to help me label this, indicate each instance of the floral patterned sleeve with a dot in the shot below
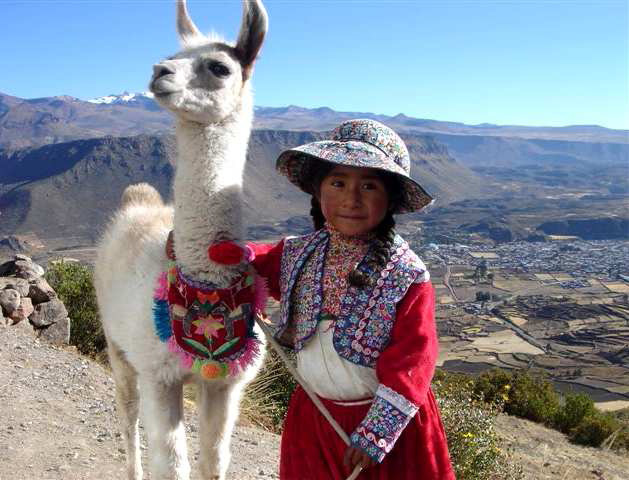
(404, 369)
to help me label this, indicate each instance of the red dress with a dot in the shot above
(312, 450)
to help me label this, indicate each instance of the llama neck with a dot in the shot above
(208, 194)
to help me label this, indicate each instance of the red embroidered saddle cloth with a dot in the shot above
(211, 323)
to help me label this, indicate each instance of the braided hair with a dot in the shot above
(384, 232)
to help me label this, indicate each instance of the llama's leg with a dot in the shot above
(162, 415)
(218, 411)
(125, 378)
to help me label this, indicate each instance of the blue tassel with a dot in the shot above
(161, 318)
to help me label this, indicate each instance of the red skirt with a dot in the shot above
(312, 450)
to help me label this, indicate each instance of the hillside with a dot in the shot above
(71, 189)
(40, 121)
(59, 423)
(58, 419)
(36, 122)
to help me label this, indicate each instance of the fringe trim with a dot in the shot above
(161, 319)
(207, 368)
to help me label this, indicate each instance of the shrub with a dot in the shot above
(594, 429)
(520, 393)
(493, 386)
(266, 398)
(576, 407)
(532, 397)
(469, 424)
(74, 284)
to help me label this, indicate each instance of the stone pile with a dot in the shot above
(26, 296)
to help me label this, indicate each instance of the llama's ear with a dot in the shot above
(252, 31)
(185, 27)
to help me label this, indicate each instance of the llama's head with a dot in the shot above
(208, 79)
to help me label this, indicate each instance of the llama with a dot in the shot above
(206, 87)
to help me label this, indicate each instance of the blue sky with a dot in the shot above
(527, 62)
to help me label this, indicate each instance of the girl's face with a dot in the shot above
(353, 200)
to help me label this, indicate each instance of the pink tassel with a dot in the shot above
(184, 357)
(233, 368)
(161, 290)
(252, 350)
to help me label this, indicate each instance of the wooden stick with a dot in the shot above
(356, 472)
(315, 399)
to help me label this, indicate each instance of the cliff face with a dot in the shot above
(588, 228)
(75, 186)
(71, 189)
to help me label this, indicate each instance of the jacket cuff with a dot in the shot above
(388, 416)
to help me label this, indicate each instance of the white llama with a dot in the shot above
(206, 87)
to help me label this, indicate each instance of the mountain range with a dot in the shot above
(65, 162)
(77, 185)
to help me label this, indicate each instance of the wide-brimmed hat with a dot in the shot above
(357, 143)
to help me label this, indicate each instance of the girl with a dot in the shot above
(357, 307)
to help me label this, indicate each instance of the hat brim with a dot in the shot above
(295, 164)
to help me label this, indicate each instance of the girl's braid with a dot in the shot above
(318, 220)
(380, 254)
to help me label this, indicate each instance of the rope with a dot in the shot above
(315, 399)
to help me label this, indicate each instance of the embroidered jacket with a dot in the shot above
(389, 327)
(367, 314)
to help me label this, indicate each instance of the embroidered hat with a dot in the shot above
(357, 143)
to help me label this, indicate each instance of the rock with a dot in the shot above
(23, 311)
(48, 313)
(7, 268)
(57, 333)
(24, 326)
(40, 291)
(9, 300)
(28, 270)
(15, 283)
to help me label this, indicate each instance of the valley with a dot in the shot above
(527, 243)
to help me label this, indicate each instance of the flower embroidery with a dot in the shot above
(207, 326)
(386, 419)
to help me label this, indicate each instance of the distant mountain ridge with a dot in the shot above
(325, 118)
(76, 186)
(145, 98)
(42, 121)
(36, 122)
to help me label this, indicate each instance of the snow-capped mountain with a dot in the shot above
(142, 99)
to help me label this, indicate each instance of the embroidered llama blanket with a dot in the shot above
(209, 328)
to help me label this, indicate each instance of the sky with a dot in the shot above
(511, 62)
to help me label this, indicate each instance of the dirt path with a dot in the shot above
(546, 454)
(57, 419)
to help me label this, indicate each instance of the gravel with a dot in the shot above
(58, 421)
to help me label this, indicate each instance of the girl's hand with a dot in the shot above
(354, 456)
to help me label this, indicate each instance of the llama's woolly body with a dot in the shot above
(206, 87)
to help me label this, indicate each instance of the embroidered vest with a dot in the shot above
(363, 327)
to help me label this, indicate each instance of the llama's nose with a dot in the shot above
(161, 70)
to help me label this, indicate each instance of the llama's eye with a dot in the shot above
(218, 69)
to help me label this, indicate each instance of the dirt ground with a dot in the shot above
(57, 422)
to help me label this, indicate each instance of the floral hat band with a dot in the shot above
(357, 143)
